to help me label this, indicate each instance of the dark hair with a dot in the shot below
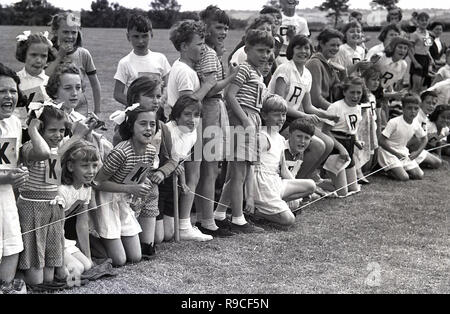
(54, 81)
(141, 86)
(141, 23)
(23, 46)
(347, 26)
(422, 15)
(390, 49)
(184, 31)
(300, 41)
(56, 23)
(355, 14)
(434, 24)
(255, 37)
(438, 111)
(327, 34)
(51, 113)
(268, 9)
(214, 14)
(410, 98)
(80, 150)
(303, 125)
(7, 72)
(428, 93)
(394, 11)
(260, 20)
(181, 104)
(349, 81)
(126, 128)
(385, 31)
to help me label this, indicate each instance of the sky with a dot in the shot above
(196, 5)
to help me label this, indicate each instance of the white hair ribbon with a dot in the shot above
(73, 20)
(45, 34)
(24, 36)
(38, 107)
(119, 116)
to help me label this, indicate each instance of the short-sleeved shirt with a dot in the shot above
(347, 56)
(70, 195)
(181, 78)
(182, 142)
(398, 133)
(122, 159)
(444, 71)
(28, 82)
(132, 66)
(298, 84)
(422, 42)
(251, 86)
(82, 58)
(422, 119)
(210, 63)
(391, 72)
(301, 28)
(349, 117)
(442, 89)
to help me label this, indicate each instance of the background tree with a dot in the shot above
(335, 9)
(164, 13)
(388, 4)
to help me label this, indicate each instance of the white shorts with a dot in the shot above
(70, 247)
(423, 155)
(389, 161)
(11, 234)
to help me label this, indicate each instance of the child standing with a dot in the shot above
(141, 61)
(10, 176)
(393, 153)
(66, 31)
(79, 166)
(274, 183)
(344, 133)
(244, 97)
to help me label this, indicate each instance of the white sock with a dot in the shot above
(240, 221)
(220, 215)
(185, 223)
(209, 224)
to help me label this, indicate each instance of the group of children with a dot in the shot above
(256, 131)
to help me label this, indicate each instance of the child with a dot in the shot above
(442, 89)
(393, 154)
(214, 118)
(244, 100)
(123, 177)
(141, 61)
(79, 166)
(351, 55)
(421, 59)
(66, 31)
(387, 33)
(444, 72)
(344, 132)
(10, 177)
(291, 24)
(184, 120)
(35, 50)
(274, 183)
(367, 131)
(38, 202)
(439, 129)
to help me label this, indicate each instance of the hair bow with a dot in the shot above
(38, 107)
(24, 36)
(45, 34)
(73, 20)
(120, 117)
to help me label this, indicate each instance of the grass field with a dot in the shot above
(395, 231)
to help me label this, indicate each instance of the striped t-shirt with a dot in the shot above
(122, 160)
(210, 63)
(251, 86)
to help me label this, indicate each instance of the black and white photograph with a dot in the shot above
(220, 153)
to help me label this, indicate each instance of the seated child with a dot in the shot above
(393, 154)
(274, 183)
(442, 89)
(439, 129)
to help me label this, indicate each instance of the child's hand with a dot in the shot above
(82, 129)
(246, 123)
(314, 119)
(157, 177)
(414, 155)
(18, 177)
(209, 79)
(184, 188)
(233, 69)
(65, 49)
(359, 144)
(249, 206)
(344, 155)
(36, 125)
(364, 65)
(141, 190)
(179, 170)
(400, 156)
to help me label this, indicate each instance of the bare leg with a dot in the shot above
(115, 251)
(206, 188)
(132, 248)
(148, 225)
(352, 180)
(192, 177)
(398, 174)
(8, 267)
(295, 189)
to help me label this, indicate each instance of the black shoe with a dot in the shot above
(148, 251)
(247, 228)
(219, 233)
(223, 224)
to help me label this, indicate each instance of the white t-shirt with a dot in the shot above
(349, 117)
(11, 128)
(399, 133)
(70, 195)
(133, 66)
(181, 78)
(347, 56)
(423, 120)
(444, 71)
(182, 142)
(375, 50)
(239, 57)
(442, 89)
(301, 28)
(391, 72)
(432, 129)
(298, 84)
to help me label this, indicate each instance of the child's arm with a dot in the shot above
(40, 151)
(15, 177)
(108, 186)
(207, 83)
(221, 85)
(119, 93)
(82, 229)
(230, 96)
(316, 88)
(423, 144)
(96, 91)
(310, 109)
(285, 173)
